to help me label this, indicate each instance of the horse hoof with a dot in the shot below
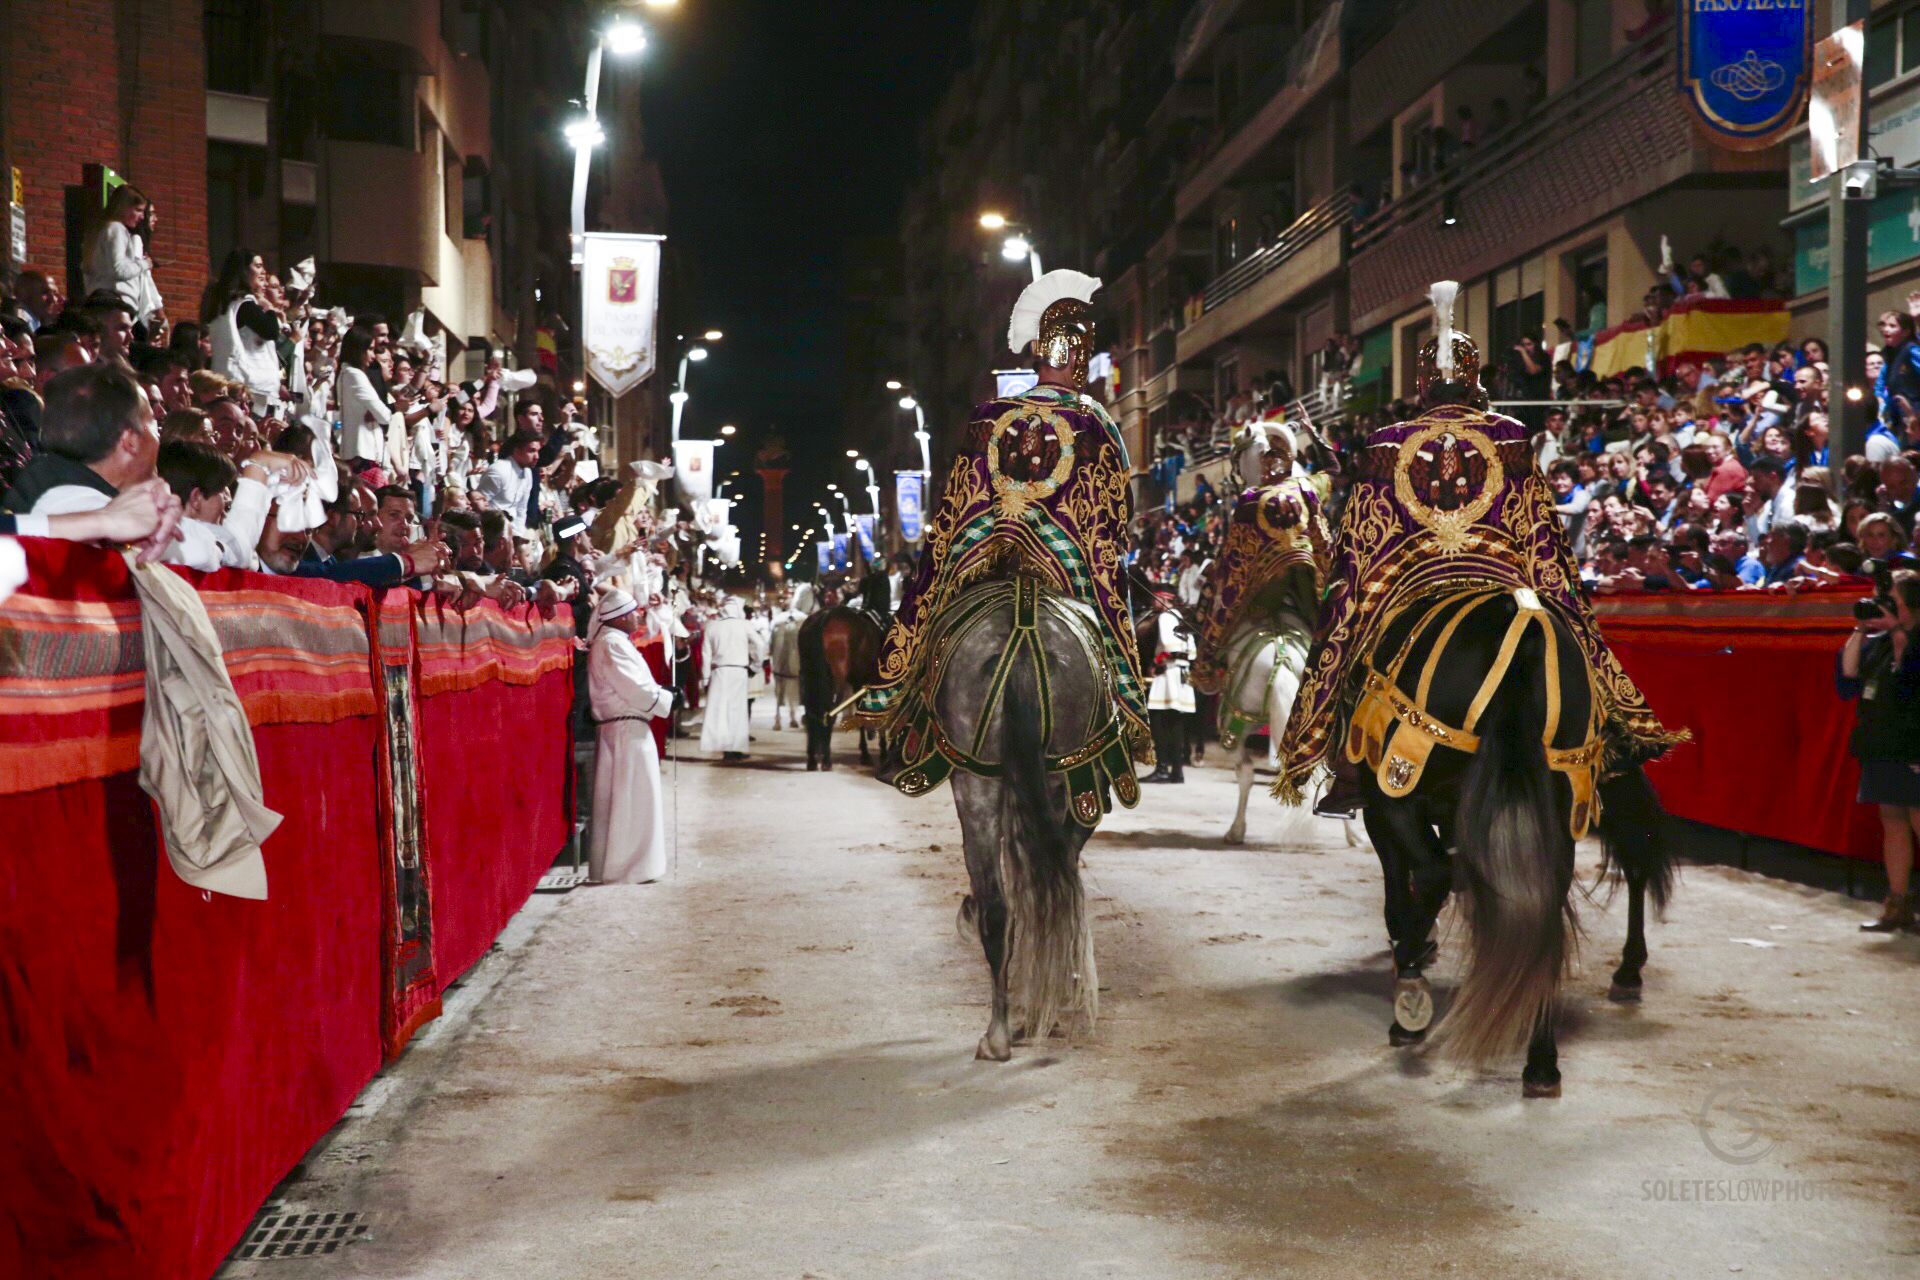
(1539, 1088)
(812, 767)
(1412, 1004)
(1399, 1037)
(1624, 993)
(1238, 835)
(988, 1051)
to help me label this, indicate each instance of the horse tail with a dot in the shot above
(1633, 834)
(1516, 871)
(816, 675)
(1049, 937)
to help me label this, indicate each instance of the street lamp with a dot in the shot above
(679, 398)
(713, 335)
(912, 406)
(624, 38)
(873, 487)
(1018, 246)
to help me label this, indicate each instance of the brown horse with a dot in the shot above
(839, 653)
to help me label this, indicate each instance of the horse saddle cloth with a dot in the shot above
(1094, 769)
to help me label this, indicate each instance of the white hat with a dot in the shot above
(648, 469)
(1050, 288)
(615, 604)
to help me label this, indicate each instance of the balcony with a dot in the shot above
(383, 208)
(1422, 43)
(412, 26)
(1305, 253)
(1310, 66)
(1203, 24)
(1611, 139)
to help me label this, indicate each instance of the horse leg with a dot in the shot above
(1237, 833)
(1409, 852)
(865, 758)
(1626, 979)
(1541, 1077)
(982, 819)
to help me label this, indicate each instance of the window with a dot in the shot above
(455, 189)
(1592, 36)
(1519, 306)
(1590, 290)
(476, 203)
(233, 53)
(369, 104)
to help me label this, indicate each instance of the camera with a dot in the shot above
(1880, 604)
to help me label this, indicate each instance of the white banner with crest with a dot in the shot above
(620, 289)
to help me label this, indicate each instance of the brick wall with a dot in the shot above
(120, 83)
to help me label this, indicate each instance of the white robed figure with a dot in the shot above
(729, 655)
(629, 842)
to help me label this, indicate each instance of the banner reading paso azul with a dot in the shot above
(1745, 66)
(909, 488)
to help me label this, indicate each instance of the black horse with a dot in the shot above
(1495, 820)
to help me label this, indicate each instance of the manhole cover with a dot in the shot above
(282, 1234)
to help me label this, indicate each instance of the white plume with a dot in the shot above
(1050, 288)
(1442, 296)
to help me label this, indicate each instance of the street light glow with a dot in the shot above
(584, 134)
(625, 37)
(992, 221)
(909, 403)
(697, 354)
(713, 335)
(1016, 249)
(663, 4)
(893, 384)
(853, 453)
(727, 430)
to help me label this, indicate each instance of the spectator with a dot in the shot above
(1880, 668)
(40, 301)
(245, 329)
(511, 484)
(117, 261)
(1781, 553)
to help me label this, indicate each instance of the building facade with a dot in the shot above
(411, 147)
(1259, 181)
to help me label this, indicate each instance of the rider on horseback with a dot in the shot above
(1452, 498)
(1038, 490)
(1273, 565)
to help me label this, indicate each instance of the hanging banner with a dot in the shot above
(863, 525)
(693, 467)
(909, 495)
(620, 298)
(1834, 115)
(824, 552)
(841, 547)
(1745, 67)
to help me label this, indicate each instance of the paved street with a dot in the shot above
(764, 1068)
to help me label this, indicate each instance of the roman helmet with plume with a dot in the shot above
(1055, 317)
(1448, 366)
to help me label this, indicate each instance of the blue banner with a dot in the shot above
(909, 494)
(1745, 67)
(840, 558)
(824, 551)
(864, 524)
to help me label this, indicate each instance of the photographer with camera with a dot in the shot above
(1880, 666)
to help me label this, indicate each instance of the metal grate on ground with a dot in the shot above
(279, 1233)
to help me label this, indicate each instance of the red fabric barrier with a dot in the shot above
(494, 768)
(171, 1055)
(166, 1056)
(1751, 675)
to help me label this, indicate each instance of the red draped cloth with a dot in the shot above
(1751, 675)
(166, 1056)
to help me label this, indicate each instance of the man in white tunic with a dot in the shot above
(1170, 701)
(628, 844)
(729, 655)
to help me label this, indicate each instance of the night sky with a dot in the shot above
(783, 129)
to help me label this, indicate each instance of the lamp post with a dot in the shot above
(861, 465)
(624, 38)
(1018, 246)
(920, 433)
(693, 355)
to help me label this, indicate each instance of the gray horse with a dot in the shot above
(1017, 699)
(1265, 659)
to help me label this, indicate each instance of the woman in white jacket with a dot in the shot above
(117, 259)
(363, 414)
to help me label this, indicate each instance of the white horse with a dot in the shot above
(1266, 658)
(785, 652)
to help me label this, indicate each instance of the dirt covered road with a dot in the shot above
(764, 1068)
